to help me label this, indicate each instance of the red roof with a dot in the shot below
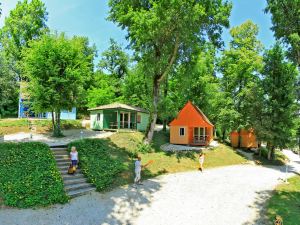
(191, 116)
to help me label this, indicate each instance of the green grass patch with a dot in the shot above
(285, 202)
(110, 162)
(10, 126)
(29, 176)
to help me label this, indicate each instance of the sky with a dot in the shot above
(88, 18)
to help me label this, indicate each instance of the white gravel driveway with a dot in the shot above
(229, 195)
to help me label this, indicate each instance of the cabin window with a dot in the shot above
(181, 131)
(98, 116)
(138, 119)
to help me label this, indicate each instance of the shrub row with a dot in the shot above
(29, 176)
(99, 161)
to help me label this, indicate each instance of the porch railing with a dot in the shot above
(123, 125)
(200, 139)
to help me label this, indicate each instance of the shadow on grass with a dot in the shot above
(183, 154)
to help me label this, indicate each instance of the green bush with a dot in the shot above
(99, 161)
(29, 176)
(144, 148)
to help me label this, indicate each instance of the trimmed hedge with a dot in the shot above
(29, 176)
(99, 160)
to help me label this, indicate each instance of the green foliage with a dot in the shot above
(99, 161)
(284, 14)
(114, 60)
(144, 148)
(102, 92)
(58, 69)
(109, 79)
(29, 176)
(285, 202)
(137, 88)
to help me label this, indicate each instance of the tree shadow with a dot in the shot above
(260, 206)
(120, 206)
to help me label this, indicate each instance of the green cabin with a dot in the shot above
(117, 116)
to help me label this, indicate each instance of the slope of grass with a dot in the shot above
(29, 176)
(115, 158)
(10, 126)
(285, 202)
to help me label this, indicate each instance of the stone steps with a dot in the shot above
(75, 184)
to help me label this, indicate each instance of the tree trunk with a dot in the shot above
(53, 121)
(240, 138)
(150, 132)
(56, 130)
(223, 135)
(164, 125)
(165, 108)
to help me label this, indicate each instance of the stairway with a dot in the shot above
(75, 184)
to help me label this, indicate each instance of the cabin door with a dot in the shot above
(124, 119)
(199, 135)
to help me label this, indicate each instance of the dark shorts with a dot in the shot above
(74, 162)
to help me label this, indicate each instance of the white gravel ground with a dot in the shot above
(69, 135)
(231, 195)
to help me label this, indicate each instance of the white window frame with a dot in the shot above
(98, 116)
(180, 131)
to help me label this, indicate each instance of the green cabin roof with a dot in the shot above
(117, 105)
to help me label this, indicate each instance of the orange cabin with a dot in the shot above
(191, 127)
(247, 139)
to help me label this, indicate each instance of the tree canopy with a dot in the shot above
(285, 18)
(57, 69)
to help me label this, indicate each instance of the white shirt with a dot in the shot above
(74, 155)
(137, 165)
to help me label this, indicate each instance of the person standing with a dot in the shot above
(137, 169)
(201, 161)
(74, 157)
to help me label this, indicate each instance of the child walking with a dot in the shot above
(201, 161)
(74, 157)
(137, 169)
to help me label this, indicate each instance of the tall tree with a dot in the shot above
(286, 26)
(8, 94)
(102, 91)
(25, 23)
(114, 62)
(240, 66)
(163, 33)
(57, 69)
(279, 79)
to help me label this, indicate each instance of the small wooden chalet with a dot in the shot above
(246, 138)
(191, 127)
(117, 116)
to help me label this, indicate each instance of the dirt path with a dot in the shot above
(229, 195)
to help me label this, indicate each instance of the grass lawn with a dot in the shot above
(286, 202)
(123, 147)
(29, 176)
(10, 126)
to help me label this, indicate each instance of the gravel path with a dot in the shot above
(229, 195)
